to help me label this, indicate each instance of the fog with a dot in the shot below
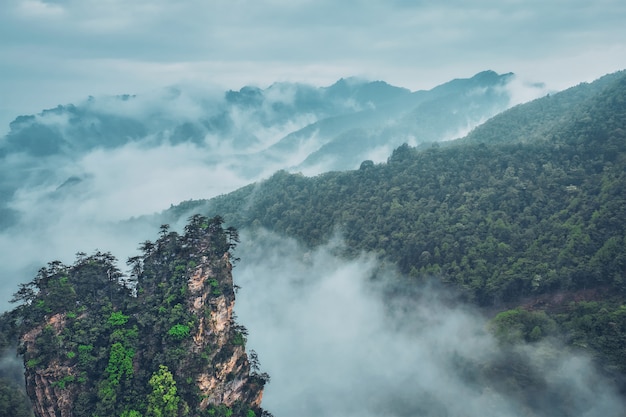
(64, 49)
(82, 201)
(337, 343)
(56, 222)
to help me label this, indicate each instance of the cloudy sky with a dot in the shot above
(60, 51)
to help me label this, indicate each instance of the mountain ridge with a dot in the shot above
(499, 222)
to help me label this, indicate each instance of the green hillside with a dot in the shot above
(543, 117)
(509, 220)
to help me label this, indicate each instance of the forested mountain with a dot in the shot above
(542, 118)
(162, 342)
(530, 218)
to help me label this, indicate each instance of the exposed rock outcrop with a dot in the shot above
(228, 381)
(49, 396)
(49, 399)
(93, 345)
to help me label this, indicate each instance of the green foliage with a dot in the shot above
(215, 287)
(125, 347)
(84, 354)
(117, 318)
(163, 400)
(48, 344)
(130, 413)
(221, 410)
(62, 383)
(513, 326)
(179, 331)
(33, 362)
(238, 339)
(120, 363)
(597, 326)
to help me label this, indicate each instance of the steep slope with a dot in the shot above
(92, 347)
(541, 117)
(566, 181)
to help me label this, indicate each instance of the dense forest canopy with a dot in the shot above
(527, 210)
(500, 220)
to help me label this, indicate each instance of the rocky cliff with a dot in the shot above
(228, 380)
(49, 396)
(163, 342)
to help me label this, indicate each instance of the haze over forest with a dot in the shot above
(324, 311)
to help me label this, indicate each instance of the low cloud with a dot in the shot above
(82, 206)
(11, 367)
(80, 200)
(336, 343)
(522, 90)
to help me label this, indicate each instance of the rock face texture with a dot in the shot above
(47, 397)
(163, 342)
(228, 380)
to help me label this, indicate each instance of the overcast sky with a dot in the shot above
(60, 51)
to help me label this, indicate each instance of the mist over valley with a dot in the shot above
(436, 252)
(275, 208)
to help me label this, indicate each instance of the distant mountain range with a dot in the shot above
(318, 116)
(253, 131)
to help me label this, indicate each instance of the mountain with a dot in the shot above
(482, 276)
(541, 118)
(528, 217)
(251, 133)
(70, 176)
(423, 116)
(114, 121)
(166, 344)
(527, 230)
